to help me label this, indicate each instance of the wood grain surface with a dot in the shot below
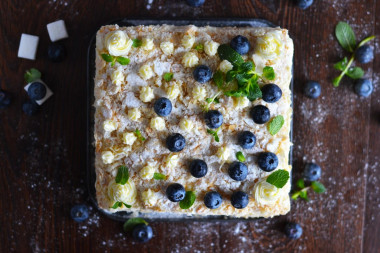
(42, 158)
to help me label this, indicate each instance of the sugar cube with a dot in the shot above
(49, 93)
(57, 30)
(28, 46)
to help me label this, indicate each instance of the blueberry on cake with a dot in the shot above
(193, 120)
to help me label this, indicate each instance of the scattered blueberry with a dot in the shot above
(240, 44)
(364, 54)
(260, 114)
(56, 52)
(312, 172)
(198, 168)
(175, 142)
(267, 161)
(246, 139)
(175, 192)
(271, 93)
(363, 87)
(5, 99)
(303, 4)
(163, 107)
(30, 108)
(195, 3)
(239, 199)
(213, 119)
(238, 171)
(212, 200)
(312, 89)
(37, 91)
(293, 230)
(142, 233)
(202, 74)
(79, 213)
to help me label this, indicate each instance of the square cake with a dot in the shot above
(192, 120)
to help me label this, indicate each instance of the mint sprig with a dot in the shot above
(132, 222)
(214, 133)
(276, 124)
(347, 39)
(139, 135)
(168, 76)
(137, 43)
(209, 101)
(120, 204)
(122, 175)
(114, 59)
(279, 178)
(316, 186)
(32, 75)
(188, 201)
(199, 47)
(159, 176)
(240, 156)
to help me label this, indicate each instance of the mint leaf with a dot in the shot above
(295, 195)
(122, 175)
(240, 156)
(122, 60)
(300, 183)
(132, 222)
(303, 195)
(355, 72)
(159, 176)
(138, 135)
(168, 76)
(225, 52)
(268, 73)
(345, 36)
(214, 133)
(246, 66)
(275, 124)
(218, 79)
(107, 57)
(137, 43)
(279, 178)
(342, 64)
(216, 100)
(120, 204)
(199, 47)
(254, 91)
(230, 76)
(188, 201)
(318, 187)
(32, 75)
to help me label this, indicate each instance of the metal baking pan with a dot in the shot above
(91, 176)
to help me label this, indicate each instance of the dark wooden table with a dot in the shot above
(42, 158)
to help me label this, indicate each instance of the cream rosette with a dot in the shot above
(118, 43)
(265, 193)
(122, 193)
(270, 46)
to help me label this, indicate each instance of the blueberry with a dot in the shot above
(30, 108)
(363, 87)
(79, 213)
(238, 171)
(56, 52)
(5, 99)
(312, 172)
(239, 199)
(312, 89)
(202, 74)
(212, 200)
(260, 114)
(37, 91)
(142, 233)
(293, 230)
(303, 4)
(198, 168)
(195, 3)
(175, 192)
(271, 93)
(240, 44)
(213, 119)
(163, 107)
(246, 139)
(267, 161)
(364, 54)
(175, 142)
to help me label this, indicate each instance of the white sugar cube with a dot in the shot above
(28, 46)
(57, 30)
(49, 93)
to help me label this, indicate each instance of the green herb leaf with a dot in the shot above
(366, 40)
(295, 195)
(342, 64)
(168, 76)
(253, 91)
(199, 47)
(216, 100)
(214, 133)
(240, 156)
(303, 194)
(122, 60)
(107, 57)
(346, 36)
(318, 187)
(336, 81)
(275, 124)
(120, 204)
(225, 52)
(188, 201)
(268, 73)
(132, 222)
(159, 176)
(218, 79)
(300, 183)
(137, 43)
(355, 72)
(122, 175)
(279, 178)
(246, 66)
(138, 135)
(32, 75)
